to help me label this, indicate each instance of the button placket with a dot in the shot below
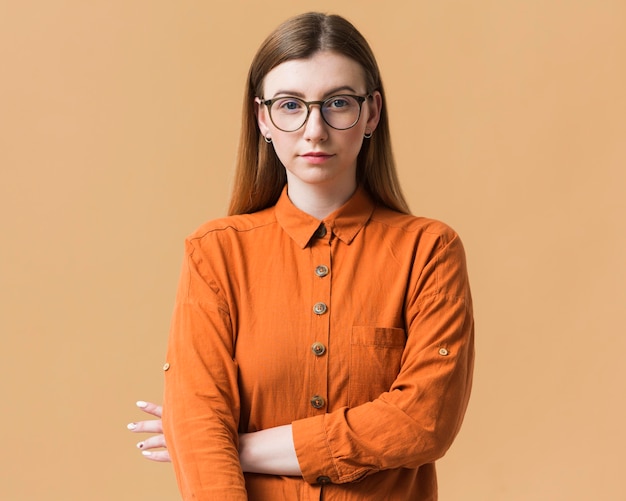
(320, 276)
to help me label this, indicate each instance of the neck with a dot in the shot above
(318, 200)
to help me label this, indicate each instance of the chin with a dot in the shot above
(318, 178)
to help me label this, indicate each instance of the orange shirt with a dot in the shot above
(358, 331)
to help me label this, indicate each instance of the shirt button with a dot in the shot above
(320, 308)
(320, 232)
(317, 402)
(318, 349)
(166, 366)
(443, 352)
(321, 270)
(323, 479)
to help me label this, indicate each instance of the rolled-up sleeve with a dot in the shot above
(201, 403)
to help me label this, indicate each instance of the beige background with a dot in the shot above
(118, 128)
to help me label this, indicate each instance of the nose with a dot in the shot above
(315, 128)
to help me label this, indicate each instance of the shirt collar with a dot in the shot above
(345, 222)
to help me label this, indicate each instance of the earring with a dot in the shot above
(367, 135)
(268, 139)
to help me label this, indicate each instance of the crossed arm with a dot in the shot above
(269, 451)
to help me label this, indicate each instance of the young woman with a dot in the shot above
(322, 339)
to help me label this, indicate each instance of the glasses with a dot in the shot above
(290, 113)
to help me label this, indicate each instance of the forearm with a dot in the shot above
(269, 451)
(412, 424)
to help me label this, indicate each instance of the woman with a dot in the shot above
(322, 339)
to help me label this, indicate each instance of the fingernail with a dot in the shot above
(141, 404)
(131, 426)
(140, 445)
(146, 453)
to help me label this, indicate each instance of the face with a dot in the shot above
(316, 154)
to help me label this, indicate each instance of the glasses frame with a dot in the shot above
(308, 104)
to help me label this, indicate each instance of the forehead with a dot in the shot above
(315, 77)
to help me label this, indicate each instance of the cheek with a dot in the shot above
(355, 141)
(282, 147)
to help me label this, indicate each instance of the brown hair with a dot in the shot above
(259, 175)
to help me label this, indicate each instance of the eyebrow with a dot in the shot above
(328, 93)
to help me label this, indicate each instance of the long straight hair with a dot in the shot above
(259, 175)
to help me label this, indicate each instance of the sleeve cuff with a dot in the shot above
(313, 451)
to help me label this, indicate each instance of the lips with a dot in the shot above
(316, 157)
(316, 154)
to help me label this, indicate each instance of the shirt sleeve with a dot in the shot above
(415, 422)
(201, 401)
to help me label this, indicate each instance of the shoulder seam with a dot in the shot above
(230, 227)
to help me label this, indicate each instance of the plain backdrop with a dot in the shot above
(119, 122)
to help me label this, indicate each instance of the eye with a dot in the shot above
(288, 105)
(339, 103)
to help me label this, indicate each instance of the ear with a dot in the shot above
(262, 117)
(374, 108)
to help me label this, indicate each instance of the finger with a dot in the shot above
(158, 456)
(156, 442)
(153, 426)
(150, 408)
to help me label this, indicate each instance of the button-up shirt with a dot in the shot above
(357, 330)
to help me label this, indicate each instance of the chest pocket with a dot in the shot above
(375, 355)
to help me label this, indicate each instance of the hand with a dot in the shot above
(269, 451)
(151, 426)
